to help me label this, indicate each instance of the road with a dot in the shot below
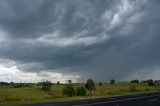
(149, 99)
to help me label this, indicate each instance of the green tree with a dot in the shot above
(135, 81)
(90, 86)
(150, 82)
(112, 81)
(46, 85)
(58, 82)
(100, 83)
(70, 81)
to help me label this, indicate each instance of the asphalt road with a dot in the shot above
(150, 99)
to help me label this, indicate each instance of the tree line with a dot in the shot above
(69, 89)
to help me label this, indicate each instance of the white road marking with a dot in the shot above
(117, 100)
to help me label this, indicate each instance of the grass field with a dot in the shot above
(36, 95)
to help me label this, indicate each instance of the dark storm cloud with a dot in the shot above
(34, 18)
(103, 37)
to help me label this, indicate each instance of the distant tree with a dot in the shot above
(150, 82)
(134, 81)
(46, 85)
(70, 81)
(90, 86)
(58, 82)
(4, 83)
(100, 83)
(18, 85)
(112, 81)
(12, 84)
(39, 83)
(69, 90)
(28, 85)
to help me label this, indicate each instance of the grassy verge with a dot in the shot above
(36, 95)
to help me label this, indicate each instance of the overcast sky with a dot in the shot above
(79, 39)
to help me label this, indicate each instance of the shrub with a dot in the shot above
(135, 81)
(58, 82)
(70, 81)
(151, 83)
(69, 90)
(132, 88)
(80, 91)
(46, 86)
(100, 83)
(17, 85)
(112, 81)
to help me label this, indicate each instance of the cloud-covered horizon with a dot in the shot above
(99, 39)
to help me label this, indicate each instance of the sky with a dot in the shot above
(60, 40)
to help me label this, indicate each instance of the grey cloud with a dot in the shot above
(125, 36)
(33, 18)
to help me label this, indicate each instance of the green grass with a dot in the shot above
(36, 95)
(123, 89)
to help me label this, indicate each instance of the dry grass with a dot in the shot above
(35, 95)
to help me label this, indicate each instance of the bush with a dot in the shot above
(135, 81)
(100, 83)
(69, 90)
(151, 83)
(58, 82)
(17, 85)
(70, 81)
(80, 91)
(132, 88)
(112, 81)
(46, 86)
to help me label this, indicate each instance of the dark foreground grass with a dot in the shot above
(36, 95)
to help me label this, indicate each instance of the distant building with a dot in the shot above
(157, 81)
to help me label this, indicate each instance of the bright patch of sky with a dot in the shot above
(10, 74)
